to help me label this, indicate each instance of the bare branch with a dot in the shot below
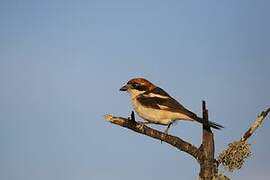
(143, 129)
(255, 125)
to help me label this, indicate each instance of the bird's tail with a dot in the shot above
(209, 124)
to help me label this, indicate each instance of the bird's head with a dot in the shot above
(137, 86)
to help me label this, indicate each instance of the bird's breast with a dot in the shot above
(152, 115)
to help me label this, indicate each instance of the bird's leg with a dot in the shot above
(167, 129)
(132, 116)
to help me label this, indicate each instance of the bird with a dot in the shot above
(156, 106)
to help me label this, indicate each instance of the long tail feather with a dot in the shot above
(215, 125)
(210, 123)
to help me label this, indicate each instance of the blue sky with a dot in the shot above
(62, 64)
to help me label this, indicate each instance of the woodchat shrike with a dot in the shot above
(156, 106)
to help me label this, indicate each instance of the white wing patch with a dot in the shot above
(163, 107)
(156, 95)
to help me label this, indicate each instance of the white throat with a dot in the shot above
(134, 93)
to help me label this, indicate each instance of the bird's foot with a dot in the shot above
(166, 131)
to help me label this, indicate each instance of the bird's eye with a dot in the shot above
(135, 85)
(139, 87)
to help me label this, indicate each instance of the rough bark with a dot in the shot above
(208, 167)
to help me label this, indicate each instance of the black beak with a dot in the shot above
(124, 88)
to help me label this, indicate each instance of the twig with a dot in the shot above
(255, 125)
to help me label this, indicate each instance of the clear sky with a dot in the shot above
(62, 63)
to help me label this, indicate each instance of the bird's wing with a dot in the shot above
(159, 99)
(158, 91)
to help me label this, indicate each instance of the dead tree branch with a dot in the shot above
(255, 125)
(143, 129)
(205, 154)
(208, 163)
